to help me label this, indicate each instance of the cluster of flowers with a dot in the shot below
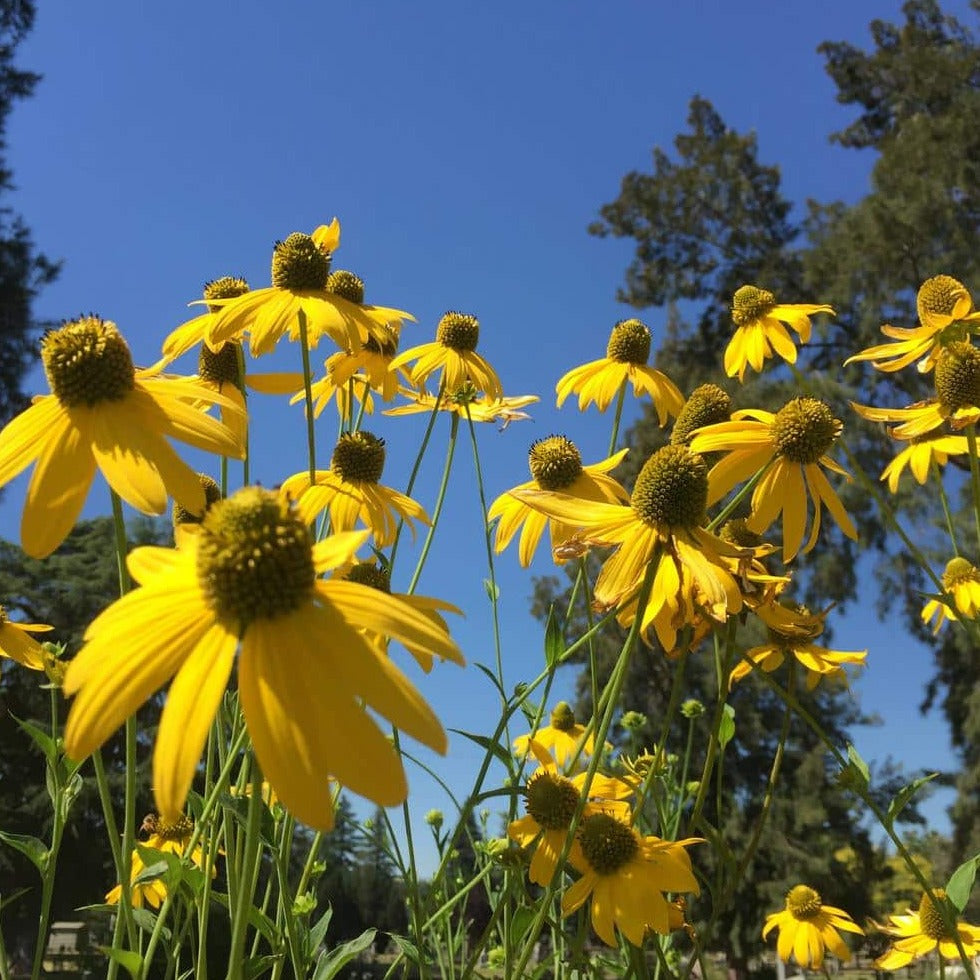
(247, 586)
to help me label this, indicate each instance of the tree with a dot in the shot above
(337, 886)
(23, 271)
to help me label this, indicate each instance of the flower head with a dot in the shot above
(454, 352)
(351, 490)
(556, 465)
(564, 737)
(792, 630)
(167, 837)
(792, 446)
(961, 583)
(104, 413)
(945, 315)
(919, 933)
(807, 928)
(626, 876)
(196, 331)
(17, 643)
(626, 361)
(301, 286)
(760, 332)
(467, 403)
(250, 583)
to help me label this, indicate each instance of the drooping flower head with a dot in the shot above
(17, 643)
(961, 582)
(760, 332)
(793, 445)
(807, 928)
(792, 629)
(168, 837)
(626, 360)
(454, 352)
(556, 464)
(626, 876)
(352, 490)
(467, 403)
(300, 277)
(924, 931)
(250, 583)
(946, 315)
(103, 413)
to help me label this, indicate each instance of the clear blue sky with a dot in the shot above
(465, 148)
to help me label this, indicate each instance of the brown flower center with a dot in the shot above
(804, 429)
(629, 342)
(555, 463)
(672, 489)
(87, 362)
(299, 264)
(359, 457)
(608, 844)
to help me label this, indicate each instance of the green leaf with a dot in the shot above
(554, 642)
(47, 745)
(960, 882)
(330, 964)
(10, 899)
(257, 919)
(30, 847)
(726, 730)
(855, 775)
(255, 966)
(131, 962)
(492, 591)
(406, 947)
(319, 930)
(146, 921)
(521, 921)
(904, 795)
(493, 678)
(494, 748)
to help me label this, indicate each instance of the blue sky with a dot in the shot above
(465, 148)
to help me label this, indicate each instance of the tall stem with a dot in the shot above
(308, 394)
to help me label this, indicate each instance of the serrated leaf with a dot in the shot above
(904, 795)
(330, 964)
(257, 919)
(493, 678)
(47, 745)
(255, 966)
(146, 921)
(406, 947)
(554, 642)
(726, 730)
(492, 590)
(497, 750)
(319, 930)
(131, 962)
(960, 882)
(30, 847)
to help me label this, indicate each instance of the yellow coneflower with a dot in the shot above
(626, 360)
(466, 402)
(807, 929)
(168, 837)
(17, 643)
(792, 629)
(454, 354)
(760, 332)
(350, 490)
(250, 582)
(793, 444)
(556, 465)
(919, 933)
(563, 737)
(626, 876)
(946, 314)
(300, 284)
(961, 581)
(194, 332)
(103, 413)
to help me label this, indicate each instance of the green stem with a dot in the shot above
(971, 441)
(617, 418)
(732, 504)
(437, 509)
(611, 697)
(243, 900)
(304, 345)
(937, 474)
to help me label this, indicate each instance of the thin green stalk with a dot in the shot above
(437, 508)
(937, 474)
(593, 665)
(243, 899)
(304, 345)
(617, 418)
(971, 442)
(613, 692)
(732, 504)
(488, 540)
(4, 962)
(416, 466)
